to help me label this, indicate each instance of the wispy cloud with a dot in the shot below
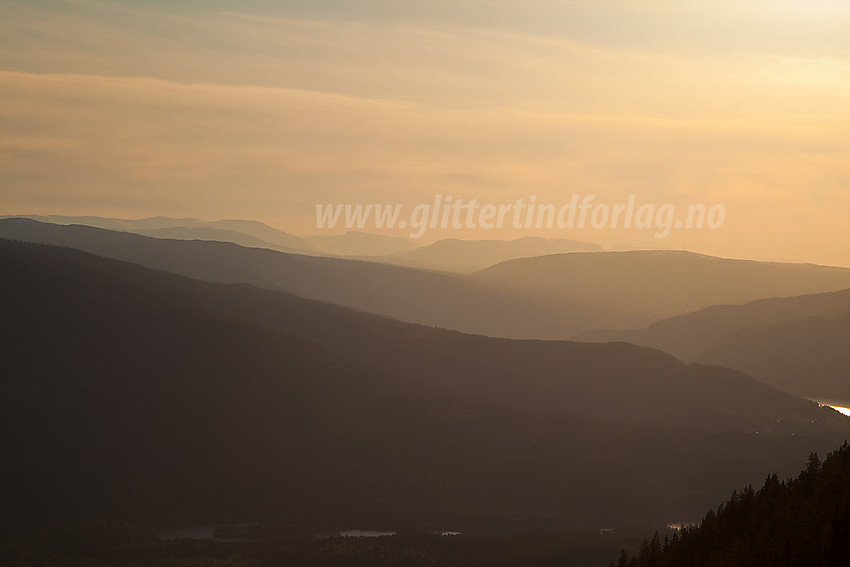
(241, 110)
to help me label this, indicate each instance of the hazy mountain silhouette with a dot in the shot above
(430, 298)
(214, 234)
(470, 255)
(658, 284)
(242, 232)
(264, 232)
(688, 336)
(467, 256)
(128, 225)
(355, 243)
(136, 394)
(808, 357)
(797, 344)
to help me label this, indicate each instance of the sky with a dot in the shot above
(262, 110)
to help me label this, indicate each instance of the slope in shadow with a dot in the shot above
(131, 393)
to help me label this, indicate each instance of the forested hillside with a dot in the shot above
(800, 522)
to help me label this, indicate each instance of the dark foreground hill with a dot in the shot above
(797, 523)
(132, 394)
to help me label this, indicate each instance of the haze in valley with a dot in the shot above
(460, 283)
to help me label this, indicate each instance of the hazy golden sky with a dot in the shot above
(226, 109)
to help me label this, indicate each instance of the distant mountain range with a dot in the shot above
(354, 243)
(657, 284)
(549, 297)
(243, 232)
(472, 255)
(798, 344)
(136, 394)
(417, 296)
(450, 255)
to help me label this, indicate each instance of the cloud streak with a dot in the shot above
(122, 110)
